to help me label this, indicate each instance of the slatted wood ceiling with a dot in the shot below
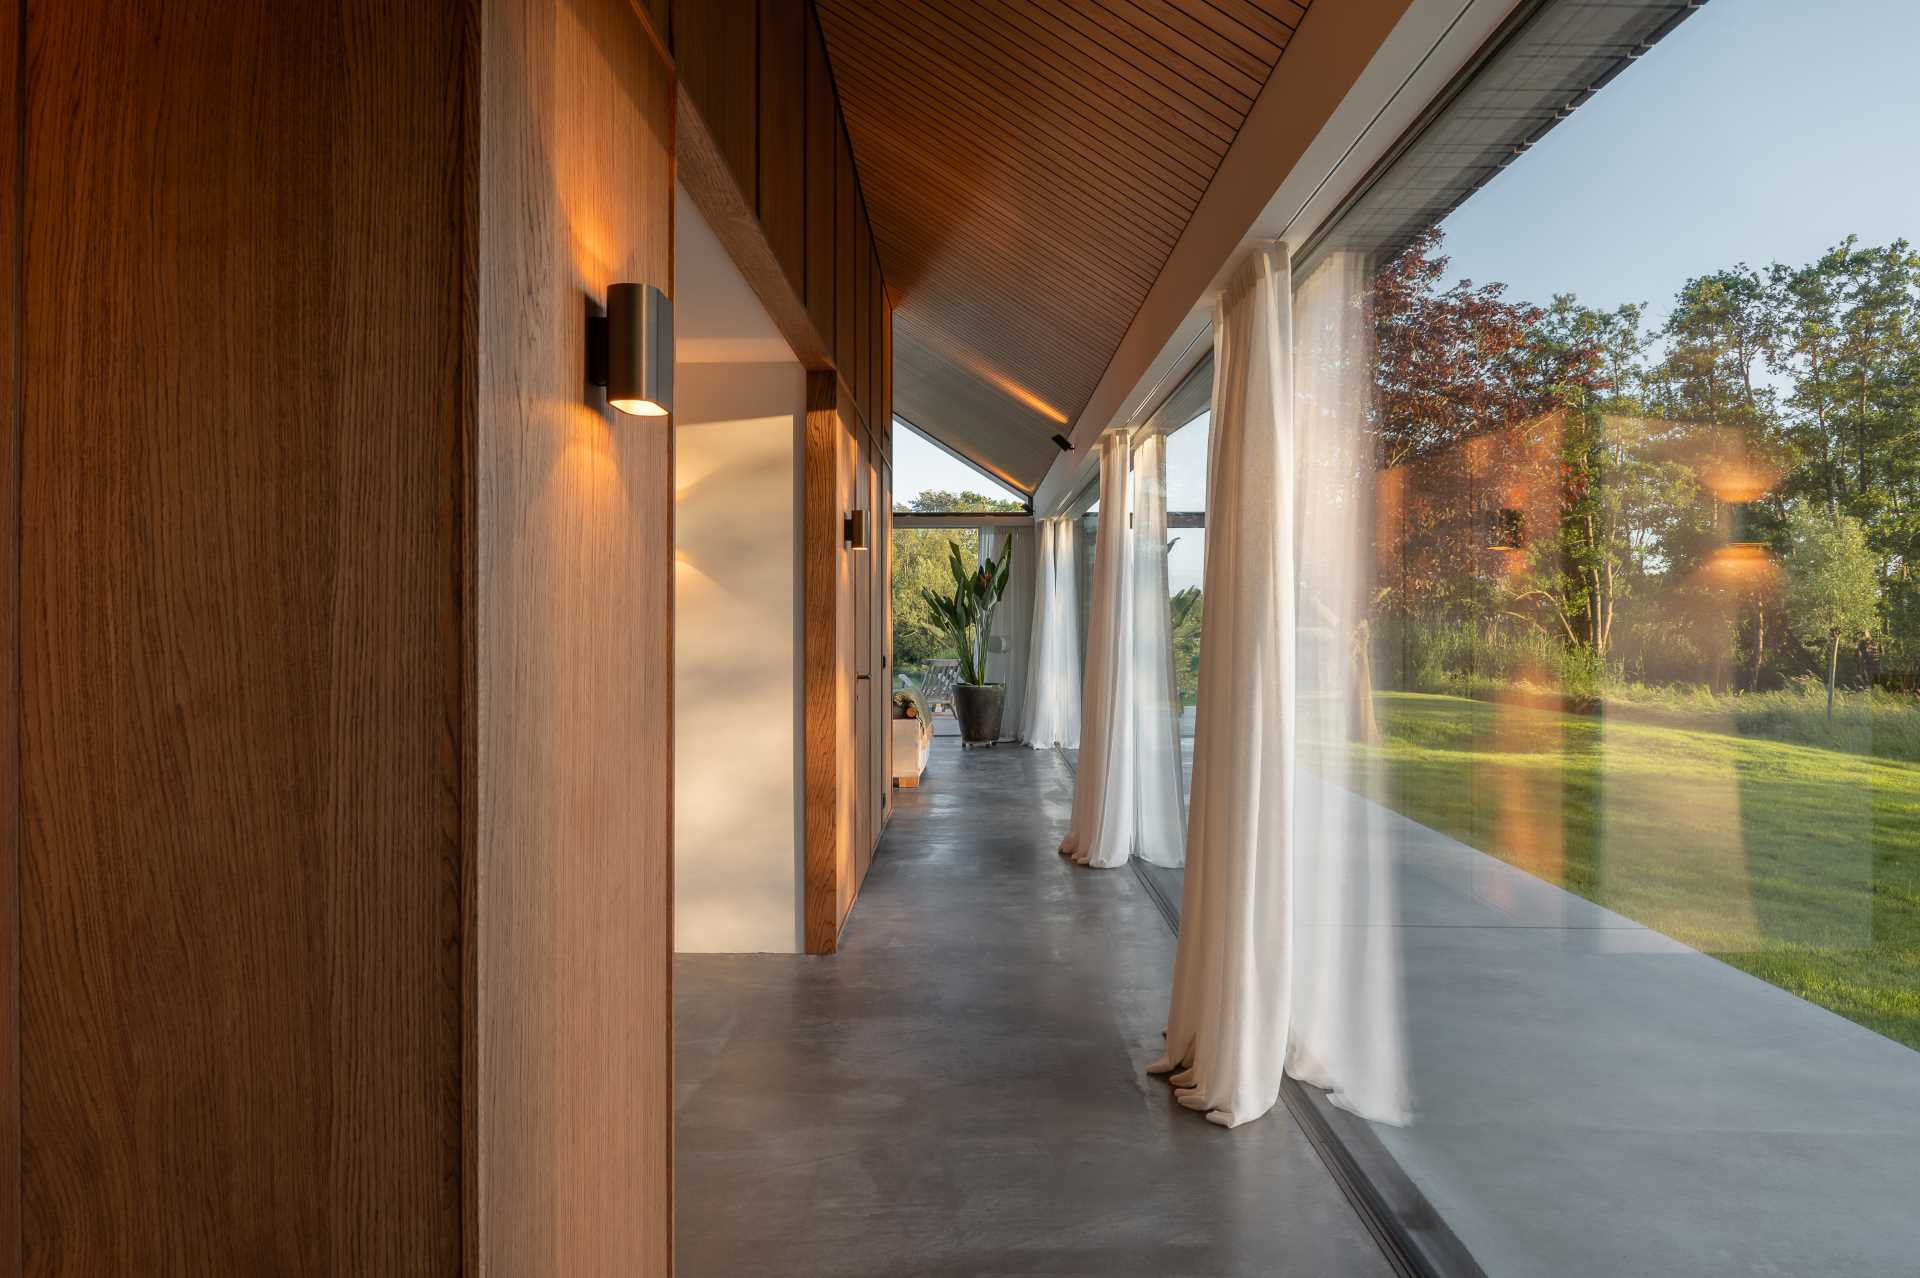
(1028, 165)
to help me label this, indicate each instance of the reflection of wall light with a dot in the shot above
(1026, 397)
(981, 368)
(1742, 525)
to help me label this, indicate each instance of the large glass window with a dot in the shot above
(931, 482)
(1638, 648)
(1186, 486)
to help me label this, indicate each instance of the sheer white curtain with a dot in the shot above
(1052, 709)
(1272, 963)
(1103, 791)
(1348, 1016)
(1160, 834)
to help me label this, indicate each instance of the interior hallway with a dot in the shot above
(961, 1090)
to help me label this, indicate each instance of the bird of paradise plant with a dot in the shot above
(967, 614)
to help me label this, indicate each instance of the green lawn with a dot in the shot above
(1798, 864)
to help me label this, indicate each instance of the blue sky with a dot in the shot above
(919, 466)
(1759, 130)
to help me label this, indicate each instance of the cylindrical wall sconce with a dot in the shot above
(853, 530)
(630, 350)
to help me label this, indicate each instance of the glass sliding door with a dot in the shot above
(1186, 486)
(1636, 644)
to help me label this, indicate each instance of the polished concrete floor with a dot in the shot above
(961, 1091)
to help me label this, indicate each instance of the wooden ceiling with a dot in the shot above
(1028, 165)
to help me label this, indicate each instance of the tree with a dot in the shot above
(919, 563)
(1184, 614)
(1832, 586)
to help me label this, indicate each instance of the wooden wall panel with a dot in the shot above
(246, 238)
(823, 122)
(716, 51)
(846, 664)
(846, 277)
(574, 666)
(783, 133)
(657, 14)
(820, 574)
(11, 86)
(860, 378)
(849, 786)
(869, 689)
(875, 363)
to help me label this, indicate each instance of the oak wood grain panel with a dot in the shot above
(822, 126)
(1029, 167)
(860, 375)
(846, 242)
(574, 664)
(240, 916)
(848, 785)
(783, 134)
(860, 614)
(703, 172)
(876, 359)
(715, 50)
(883, 544)
(12, 88)
(657, 14)
(820, 573)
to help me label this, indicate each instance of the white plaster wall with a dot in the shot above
(738, 842)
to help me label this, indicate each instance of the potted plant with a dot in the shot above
(912, 735)
(967, 615)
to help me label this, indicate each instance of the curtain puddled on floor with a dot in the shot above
(1160, 830)
(1283, 963)
(1051, 713)
(1103, 792)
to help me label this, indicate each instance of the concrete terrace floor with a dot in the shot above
(961, 1091)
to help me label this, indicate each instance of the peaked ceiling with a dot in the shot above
(1028, 166)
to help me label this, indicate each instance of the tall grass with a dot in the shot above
(1488, 661)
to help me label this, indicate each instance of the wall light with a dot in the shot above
(1062, 443)
(630, 350)
(853, 530)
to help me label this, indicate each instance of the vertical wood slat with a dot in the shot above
(846, 297)
(859, 377)
(820, 570)
(818, 284)
(12, 93)
(782, 137)
(716, 53)
(575, 531)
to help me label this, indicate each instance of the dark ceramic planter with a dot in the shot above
(977, 706)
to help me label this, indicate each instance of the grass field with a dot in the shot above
(1797, 863)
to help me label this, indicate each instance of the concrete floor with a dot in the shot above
(961, 1090)
(1593, 1098)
